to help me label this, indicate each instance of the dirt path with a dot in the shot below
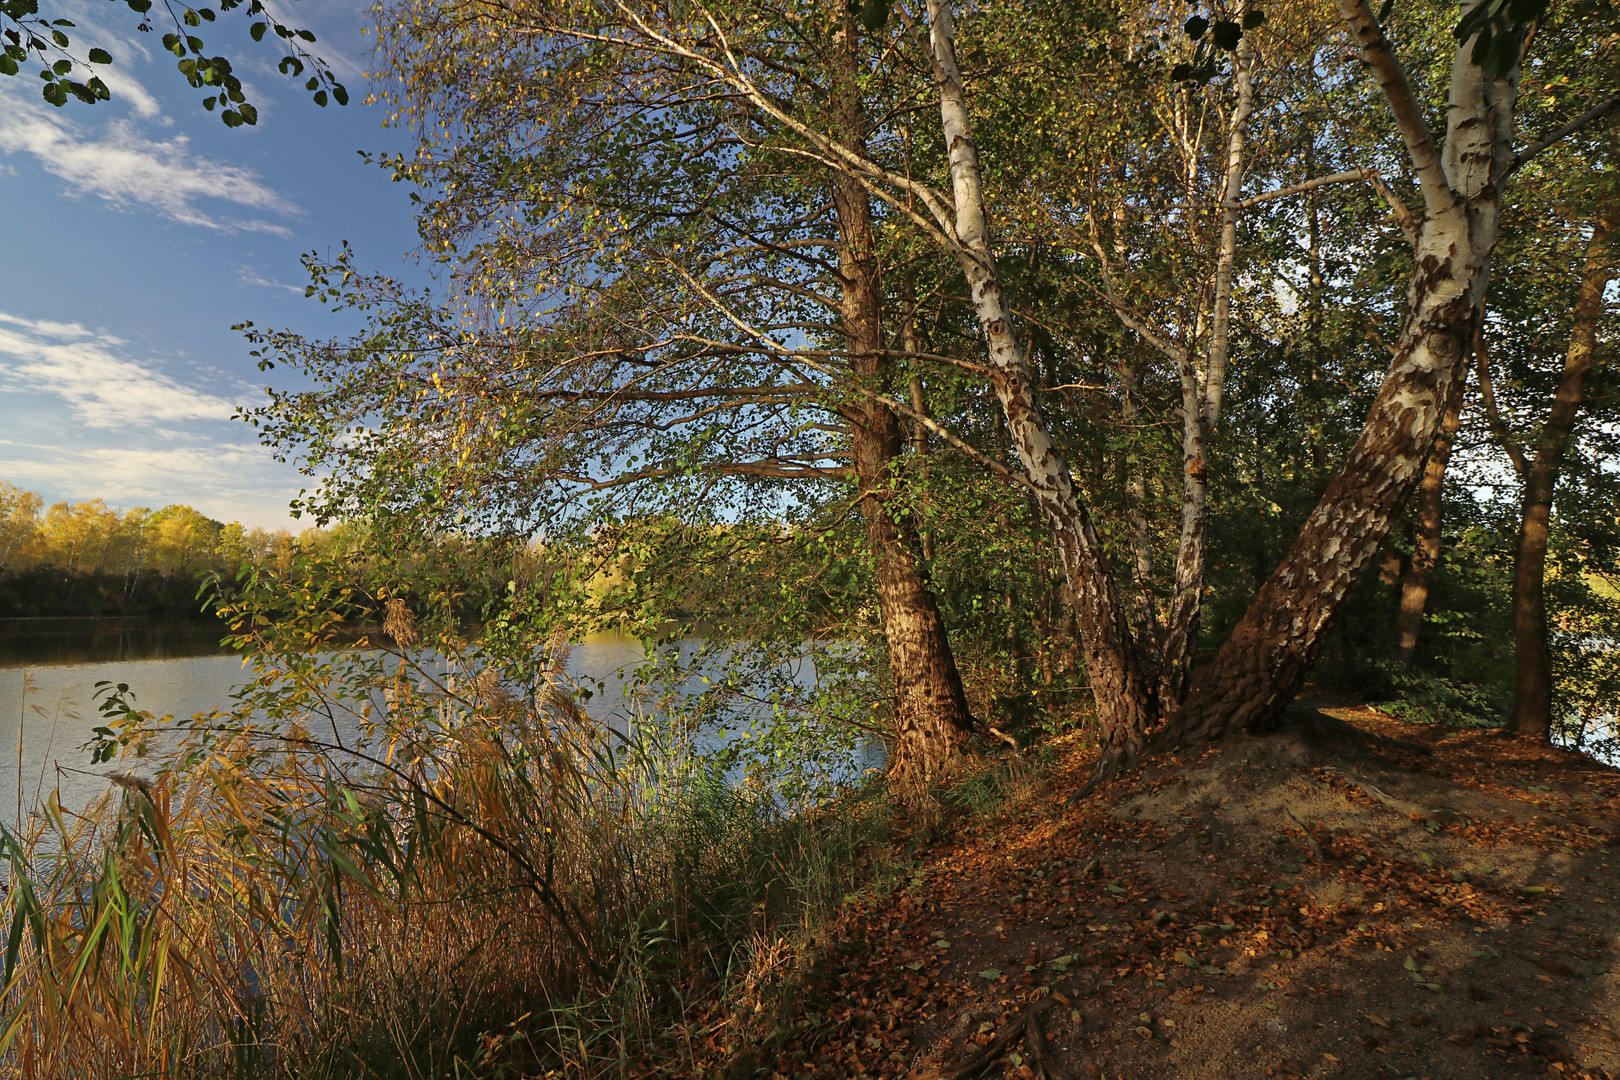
(1352, 897)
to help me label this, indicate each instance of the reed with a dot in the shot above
(478, 880)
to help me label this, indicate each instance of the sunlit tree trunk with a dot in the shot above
(932, 719)
(1532, 678)
(1201, 411)
(1124, 700)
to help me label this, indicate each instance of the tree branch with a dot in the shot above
(782, 352)
(1590, 116)
(1493, 417)
(1305, 185)
(1379, 56)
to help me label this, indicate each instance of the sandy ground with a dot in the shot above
(1351, 897)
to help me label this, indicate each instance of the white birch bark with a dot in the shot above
(1124, 702)
(1262, 665)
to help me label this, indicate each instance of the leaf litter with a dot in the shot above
(1349, 897)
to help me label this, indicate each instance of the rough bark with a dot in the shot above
(932, 718)
(1426, 544)
(1263, 663)
(1126, 709)
(1532, 676)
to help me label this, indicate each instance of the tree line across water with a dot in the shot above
(89, 558)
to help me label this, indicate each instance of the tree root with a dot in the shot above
(1316, 848)
(1108, 767)
(1026, 1025)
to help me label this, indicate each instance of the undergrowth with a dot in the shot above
(408, 862)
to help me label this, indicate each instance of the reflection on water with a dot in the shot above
(49, 669)
(38, 642)
(46, 714)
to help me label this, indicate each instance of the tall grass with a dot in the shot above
(466, 876)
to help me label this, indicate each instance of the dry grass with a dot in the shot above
(487, 884)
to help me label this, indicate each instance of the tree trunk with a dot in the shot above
(1201, 412)
(1126, 709)
(932, 719)
(1532, 674)
(1426, 545)
(1262, 665)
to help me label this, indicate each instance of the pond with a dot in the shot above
(49, 669)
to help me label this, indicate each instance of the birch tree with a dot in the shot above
(1460, 177)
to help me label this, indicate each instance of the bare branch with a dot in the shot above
(1590, 116)
(1379, 56)
(1305, 185)
(1493, 416)
(793, 356)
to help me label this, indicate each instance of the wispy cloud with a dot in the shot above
(247, 276)
(228, 482)
(335, 23)
(123, 167)
(91, 373)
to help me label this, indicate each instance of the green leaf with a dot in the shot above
(1226, 35)
(100, 56)
(990, 973)
(1252, 19)
(875, 14)
(1196, 26)
(256, 31)
(1384, 11)
(320, 98)
(340, 94)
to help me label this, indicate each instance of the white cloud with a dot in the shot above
(131, 171)
(227, 482)
(248, 276)
(88, 371)
(337, 23)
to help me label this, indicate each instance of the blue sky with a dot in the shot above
(137, 231)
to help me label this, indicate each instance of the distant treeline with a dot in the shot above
(89, 558)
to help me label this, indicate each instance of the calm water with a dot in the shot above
(49, 669)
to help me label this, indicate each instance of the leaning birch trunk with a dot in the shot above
(1263, 664)
(1532, 659)
(932, 718)
(1201, 412)
(1124, 700)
